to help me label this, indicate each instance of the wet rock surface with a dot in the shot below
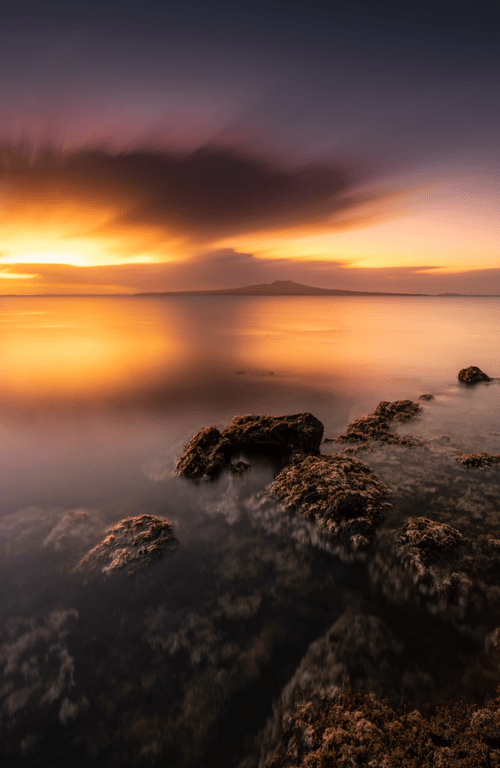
(210, 451)
(135, 541)
(339, 493)
(376, 425)
(472, 375)
(481, 460)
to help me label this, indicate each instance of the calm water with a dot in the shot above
(181, 664)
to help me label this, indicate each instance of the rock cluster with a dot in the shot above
(210, 451)
(472, 375)
(133, 541)
(346, 728)
(376, 425)
(479, 459)
(339, 493)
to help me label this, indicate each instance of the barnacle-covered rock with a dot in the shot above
(339, 493)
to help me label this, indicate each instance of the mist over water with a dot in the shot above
(183, 662)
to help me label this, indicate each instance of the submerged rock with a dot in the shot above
(478, 459)
(133, 541)
(472, 375)
(210, 451)
(339, 493)
(376, 426)
(239, 468)
(426, 397)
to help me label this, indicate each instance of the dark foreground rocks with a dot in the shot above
(376, 426)
(339, 493)
(345, 728)
(472, 375)
(210, 451)
(134, 541)
(481, 460)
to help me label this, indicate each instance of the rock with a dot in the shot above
(428, 535)
(133, 541)
(479, 459)
(421, 545)
(339, 493)
(239, 468)
(375, 426)
(399, 410)
(472, 375)
(209, 451)
(426, 397)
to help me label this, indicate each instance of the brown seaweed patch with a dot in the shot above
(472, 375)
(481, 460)
(133, 541)
(339, 493)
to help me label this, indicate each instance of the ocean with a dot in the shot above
(184, 662)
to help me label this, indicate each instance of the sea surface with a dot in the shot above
(181, 664)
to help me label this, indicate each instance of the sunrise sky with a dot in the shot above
(157, 146)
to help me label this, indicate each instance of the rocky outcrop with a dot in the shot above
(481, 460)
(436, 558)
(472, 375)
(345, 728)
(339, 493)
(134, 541)
(210, 451)
(376, 425)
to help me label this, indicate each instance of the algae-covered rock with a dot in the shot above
(133, 541)
(376, 425)
(472, 375)
(481, 460)
(210, 451)
(339, 493)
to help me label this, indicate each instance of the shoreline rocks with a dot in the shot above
(210, 451)
(472, 375)
(134, 541)
(376, 425)
(339, 493)
(481, 460)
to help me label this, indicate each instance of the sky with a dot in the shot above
(161, 146)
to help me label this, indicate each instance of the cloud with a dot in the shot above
(199, 198)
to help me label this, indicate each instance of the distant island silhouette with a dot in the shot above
(278, 288)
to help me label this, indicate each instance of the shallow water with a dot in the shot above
(183, 662)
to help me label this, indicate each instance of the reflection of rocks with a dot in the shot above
(472, 375)
(339, 493)
(482, 460)
(376, 426)
(210, 451)
(135, 540)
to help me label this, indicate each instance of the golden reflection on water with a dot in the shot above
(63, 349)
(69, 347)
